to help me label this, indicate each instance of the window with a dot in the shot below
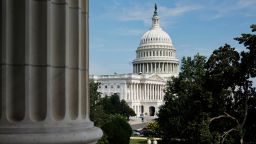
(106, 86)
(118, 86)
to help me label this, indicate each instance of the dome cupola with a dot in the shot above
(155, 34)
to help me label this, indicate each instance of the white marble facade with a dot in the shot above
(154, 64)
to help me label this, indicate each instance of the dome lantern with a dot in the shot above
(155, 19)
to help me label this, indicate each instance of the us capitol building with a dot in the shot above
(154, 64)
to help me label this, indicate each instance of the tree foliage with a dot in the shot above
(213, 101)
(117, 130)
(111, 115)
(113, 105)
(186, 104)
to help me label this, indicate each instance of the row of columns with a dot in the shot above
(138, 109)
(167, 53)
(155, 67)
(45, 72)
(145, 91)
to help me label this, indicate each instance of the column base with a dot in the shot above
(63, 135)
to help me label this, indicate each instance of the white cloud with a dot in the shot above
(115, 50)
(179, 10)
(227, 8)
(130, 32)
(144, 13)
(101, 69)
(247, 3)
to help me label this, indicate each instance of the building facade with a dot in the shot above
(154, 64)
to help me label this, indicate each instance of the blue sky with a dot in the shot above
(195, 26)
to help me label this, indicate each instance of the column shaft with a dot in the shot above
(37, 59)
(84, 57)
(15, 59)
(72, 39)
(57, 58)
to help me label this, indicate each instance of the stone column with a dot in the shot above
(131, 95)
(159, 92)
(159, 67)
(144, 91)
(137, 91)
(138, 68)
(143, 70)
(138, 94)
(133, 91)
(44, 95)
(167, 67)
(155, 93)
(151, 67)
(147, 68)
(149, 91)
(140, 88)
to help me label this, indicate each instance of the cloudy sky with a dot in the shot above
(195, 26)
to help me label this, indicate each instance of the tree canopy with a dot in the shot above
(213, 100)
(111, 115)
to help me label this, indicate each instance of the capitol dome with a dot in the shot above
(155, 35)
(156, 53)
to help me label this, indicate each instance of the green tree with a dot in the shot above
(117, 130)
(94, 98)
(229, 79)
(187, 104)
(126, 110)
(110, 114)
(213, 101)
(113, 105)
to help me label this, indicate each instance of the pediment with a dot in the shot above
(155, 77)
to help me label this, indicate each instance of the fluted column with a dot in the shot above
(150, 65)
(159, 68)
(147, 68)
(140, 91)
(37, 60)
(153, 88)
(158, 92)
(165, 67)
(151, 92)
(56, 59)
(72, 58)
(138, 68)
(155, 68)
(131, 92)
(13, 84)
(155, 93)
(143, 70)
(44, 95)
(137, 91)
(134, 91)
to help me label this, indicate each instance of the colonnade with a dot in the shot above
(155, 53)
(44, 72)
(139, 109)
(155, 67)
(145, 91)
